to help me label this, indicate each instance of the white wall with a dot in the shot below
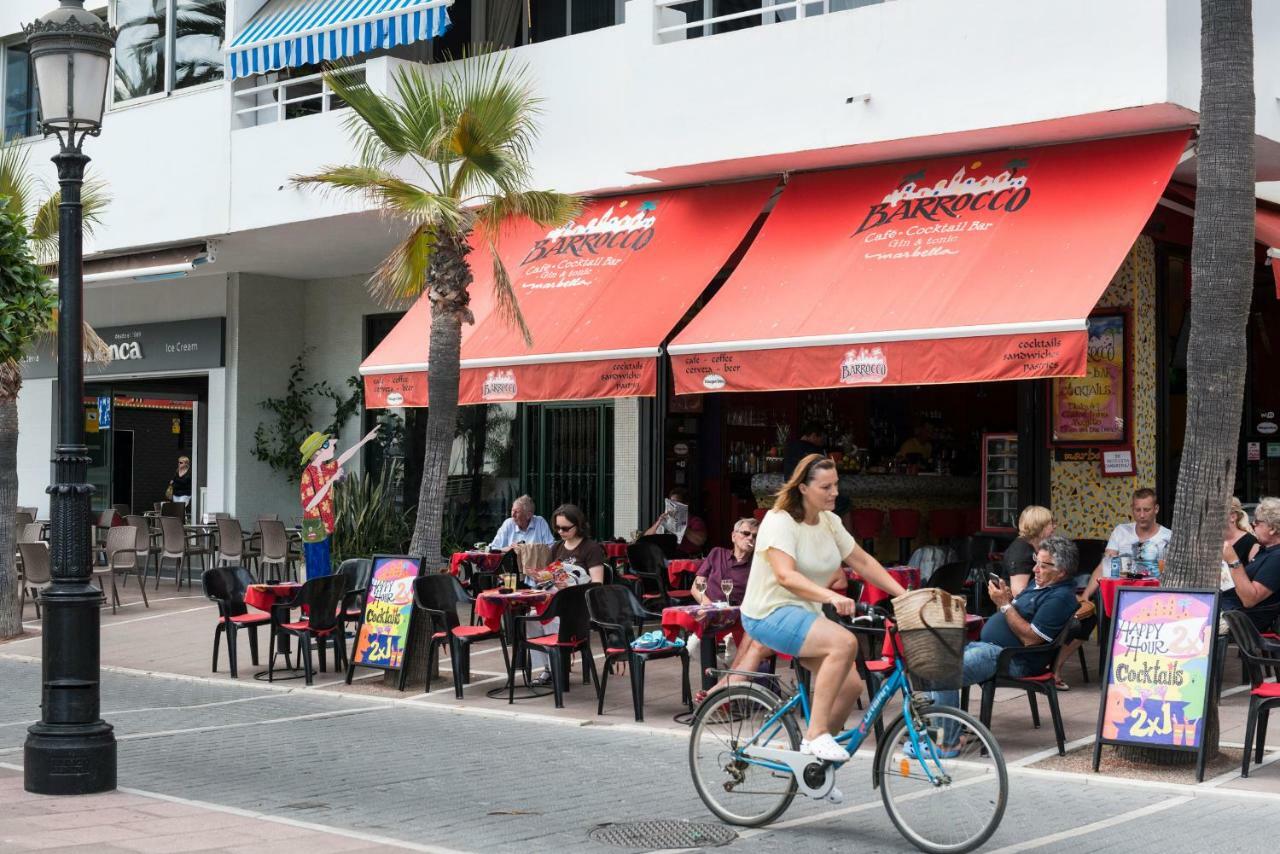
(264, 336)
(35, 443)
(334, 326)
(617, 103)
(626, 466)
(153, 302)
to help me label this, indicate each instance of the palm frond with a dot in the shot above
(17, 184)
(402, 275)
(504, 295)
(545, 207)
(495, 127)
(392, 194)
(45, 223)
(374, 124)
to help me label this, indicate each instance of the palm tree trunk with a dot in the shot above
(1222, 260)
(448, 282)
(10, 612)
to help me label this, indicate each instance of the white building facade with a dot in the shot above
(205, 224)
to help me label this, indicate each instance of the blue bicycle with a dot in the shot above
(940, 772)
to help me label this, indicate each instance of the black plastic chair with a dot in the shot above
(438, 597)
(950, 577)
(573, 635)
(322, 600)
(477, 579)
(1257, 659)
(649, 566)
(618, 617)
(226, 586)
(356, 571)
(1036, 683)
(666, 543)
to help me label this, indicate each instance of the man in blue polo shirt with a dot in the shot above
(1035, 617)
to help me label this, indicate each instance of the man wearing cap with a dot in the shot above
(320, 471)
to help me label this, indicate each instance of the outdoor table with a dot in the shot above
(498, 611)
(907, 576)
(1107, 589)
(615, 550)
(488, 560)
(275, 599)
(680, 566)
(707, 622)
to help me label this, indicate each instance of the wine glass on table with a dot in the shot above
(726, 587)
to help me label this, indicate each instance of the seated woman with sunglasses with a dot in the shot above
(800, 554)
(574, 546)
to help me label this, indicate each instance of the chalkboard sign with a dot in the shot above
(1160, 671)
(383, 638)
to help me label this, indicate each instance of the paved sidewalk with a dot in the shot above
(125, 821)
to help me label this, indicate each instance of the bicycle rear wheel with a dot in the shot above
(735, 790)
(949, 796)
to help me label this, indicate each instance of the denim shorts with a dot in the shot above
(784, 630)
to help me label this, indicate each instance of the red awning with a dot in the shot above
(600, 296)
(957, 269)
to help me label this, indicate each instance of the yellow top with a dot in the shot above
(817, 549)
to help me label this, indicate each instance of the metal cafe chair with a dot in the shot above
(176, 545)
(35, 573)
(122, 558)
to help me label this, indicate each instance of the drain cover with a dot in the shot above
(662, 833)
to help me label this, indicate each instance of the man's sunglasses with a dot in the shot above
(746, 533)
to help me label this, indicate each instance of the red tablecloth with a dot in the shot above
(491, 605)
(1107, 587)
(488, 560)
(676, 568)
(907, 576)
(615, 550)
(698, 619)
(264, 596)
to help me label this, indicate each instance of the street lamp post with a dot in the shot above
(71, 751)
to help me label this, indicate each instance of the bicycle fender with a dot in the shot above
(881, 745)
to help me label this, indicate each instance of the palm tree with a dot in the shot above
(1222, 258)
(468, 133)
(1221, 288)
(28, 303)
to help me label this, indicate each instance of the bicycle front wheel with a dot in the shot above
(738, 791)
(946, 790)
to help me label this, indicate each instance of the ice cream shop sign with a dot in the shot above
(179, 345)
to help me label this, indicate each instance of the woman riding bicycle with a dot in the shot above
(799, 553)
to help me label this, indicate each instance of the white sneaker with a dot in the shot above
(835, 795)
(824, 747)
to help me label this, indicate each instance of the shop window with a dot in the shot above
(167, 45)
(555, 19)
(21, 114)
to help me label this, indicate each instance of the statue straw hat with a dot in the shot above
(311, 444)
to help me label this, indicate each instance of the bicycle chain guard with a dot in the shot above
(803, 767)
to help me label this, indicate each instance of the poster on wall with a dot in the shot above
(383, 639)
(1093, 409)
(1159, 671)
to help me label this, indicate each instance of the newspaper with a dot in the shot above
(675, 520)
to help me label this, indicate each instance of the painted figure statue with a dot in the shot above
(320, 472)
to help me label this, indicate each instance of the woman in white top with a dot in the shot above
(799, 553)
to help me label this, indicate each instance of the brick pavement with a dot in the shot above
(437, 778)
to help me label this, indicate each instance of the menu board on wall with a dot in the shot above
(1092, 410)
(383, 639)
(1159, 670)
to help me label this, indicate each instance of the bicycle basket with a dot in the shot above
(931, 625)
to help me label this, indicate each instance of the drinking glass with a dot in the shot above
(726, 587)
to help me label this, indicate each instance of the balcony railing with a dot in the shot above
(288, 98)
(677, 20)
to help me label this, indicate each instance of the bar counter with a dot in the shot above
(923, 492)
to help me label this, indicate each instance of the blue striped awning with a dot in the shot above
(290, 33)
